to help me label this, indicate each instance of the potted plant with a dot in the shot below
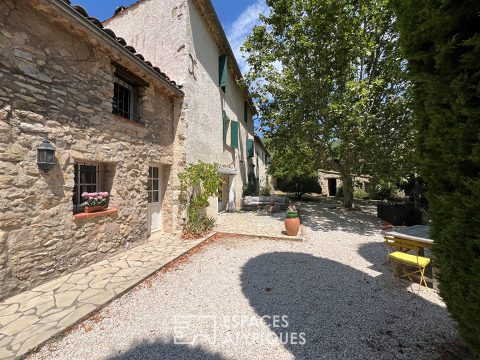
(94, 202)
(292, 221)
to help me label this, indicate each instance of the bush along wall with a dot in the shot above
(441, 40)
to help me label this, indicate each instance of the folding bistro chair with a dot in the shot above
(400, 256)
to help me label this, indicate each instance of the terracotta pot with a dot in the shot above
(92, 209)
(292, 226)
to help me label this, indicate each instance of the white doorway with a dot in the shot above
(154, 211)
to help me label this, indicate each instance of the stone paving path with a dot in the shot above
(255, 223)
(31, 318)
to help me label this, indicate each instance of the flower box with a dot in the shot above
(92, 209)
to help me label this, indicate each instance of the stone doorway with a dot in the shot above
(332, 187)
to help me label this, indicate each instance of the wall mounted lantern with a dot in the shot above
(46, 155)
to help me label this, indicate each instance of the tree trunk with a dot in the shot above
(347, 190)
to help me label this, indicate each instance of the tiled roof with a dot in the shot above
(120, 41)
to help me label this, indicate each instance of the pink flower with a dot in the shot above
(90, 198)
(94, 194)
(104, 194)
(99, 198)
(85, 195)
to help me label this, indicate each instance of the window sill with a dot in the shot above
(128, 121)
(108, 212)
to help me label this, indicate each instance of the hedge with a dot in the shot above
(441, 40)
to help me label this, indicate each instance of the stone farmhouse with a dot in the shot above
(115, 122)
(98, 96)
(185, 38)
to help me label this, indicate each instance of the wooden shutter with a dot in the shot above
(222, 68)
(234, 133)
(245, 112)
(250, 150)
(224, 127)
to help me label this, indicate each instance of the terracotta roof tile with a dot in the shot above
(119, 40)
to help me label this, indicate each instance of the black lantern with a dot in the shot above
(46, 155)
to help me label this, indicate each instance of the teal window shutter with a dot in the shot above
(224, 127)
(245, 112)
(222, 68)
(250, 151)
(234, 127)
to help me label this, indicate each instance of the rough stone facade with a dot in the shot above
(180, 36)
(56, 82)
(324, 176)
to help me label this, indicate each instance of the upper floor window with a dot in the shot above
(124, 99)
(223, 71)
(230, 132)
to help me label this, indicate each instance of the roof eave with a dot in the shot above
(69, 12)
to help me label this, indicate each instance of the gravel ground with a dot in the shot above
(329, 297)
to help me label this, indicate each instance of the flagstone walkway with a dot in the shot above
(255, 223)
(31, 318)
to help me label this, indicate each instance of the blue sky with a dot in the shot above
(237, 16)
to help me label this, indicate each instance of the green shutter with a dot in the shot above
(250, 151)
(224, 127)
(234, 130)
(245, 112)
(222, 68)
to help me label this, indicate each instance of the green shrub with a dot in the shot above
(382, 190)
(360, 194)
(266, 190)
(442, 42)
(198, 183)
(300, 185)
(249, 190)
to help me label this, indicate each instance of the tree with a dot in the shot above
(329, 80)
(442, 42)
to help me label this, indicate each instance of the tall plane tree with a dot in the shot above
(329, 80)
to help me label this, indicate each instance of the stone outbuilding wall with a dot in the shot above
(331, 181)
(56, 82)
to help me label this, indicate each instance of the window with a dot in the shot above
(153, 185)
(223, 71)
(89, 177)
(230, 132)
(124, 99)
(250, 148)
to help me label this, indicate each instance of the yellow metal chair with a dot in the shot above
(399, 255)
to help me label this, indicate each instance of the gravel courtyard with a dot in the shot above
(329, 297)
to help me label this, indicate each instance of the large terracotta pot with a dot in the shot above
(92, 209)
(292, 226)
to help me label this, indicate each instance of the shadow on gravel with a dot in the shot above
(325, 217)
(343, 313)
(159, 350)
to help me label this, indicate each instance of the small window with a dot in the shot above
(125, 99)
(91, 178)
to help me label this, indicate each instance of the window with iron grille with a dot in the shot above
(124, 99)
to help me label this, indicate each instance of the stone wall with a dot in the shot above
(54, 83)
(362, 182)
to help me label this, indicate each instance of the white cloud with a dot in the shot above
(239, 30)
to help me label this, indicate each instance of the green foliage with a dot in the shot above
(360, 194)
(330, 84)
(250, 189)
(300, 185)
(442, 42)
(383, 189)
(198, 183)
(266, 190)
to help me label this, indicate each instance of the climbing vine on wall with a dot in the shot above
(198, 183)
